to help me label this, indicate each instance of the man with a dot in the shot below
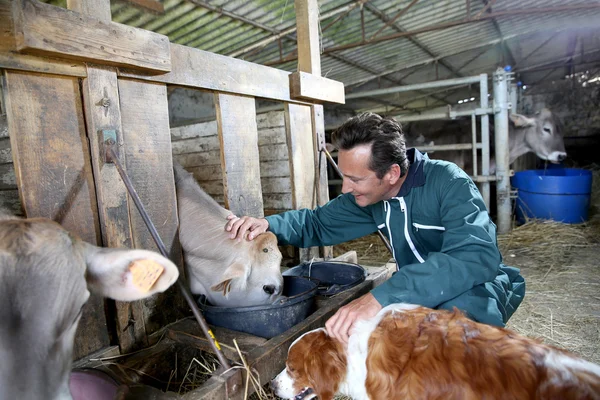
(443, 239)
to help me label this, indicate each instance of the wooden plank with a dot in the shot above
(10, 203)
(53, 170)
(271, 119)
(196, 145)
(99, 9)
(102, 111)
(194, 130)
(318, 125)
(304, 86)
(307, 23)
(8, 181)
(44, 29)
(301, 149)
(10, 59)
(3, 126)
(149, 165)
(204, 70)
(236, 119)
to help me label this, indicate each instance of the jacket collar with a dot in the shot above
(415, 176)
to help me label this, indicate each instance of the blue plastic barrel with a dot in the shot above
(559, 194)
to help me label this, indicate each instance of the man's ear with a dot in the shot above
(235, 270)
(128, 275)
(393, 174)
(521, 121)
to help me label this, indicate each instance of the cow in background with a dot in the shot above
(227, 272)
(540, 134)
(46, 275)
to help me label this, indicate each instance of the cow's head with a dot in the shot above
(45, 274)
(542, 135)
(253, 280)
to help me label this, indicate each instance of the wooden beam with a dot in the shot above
(305, 86)
(307, 21)
(204, 70)
(95, 8)
(10, 59)
(238, 135)
(53, 172)
(44, 29)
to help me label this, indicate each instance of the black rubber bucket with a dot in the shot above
(295, 304)
(334, 276)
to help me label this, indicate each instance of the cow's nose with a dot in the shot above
(274, 385)
(269, 289)
(561, 157)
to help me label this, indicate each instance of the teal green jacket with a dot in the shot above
(443, 239)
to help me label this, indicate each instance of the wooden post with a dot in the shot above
(309, 60)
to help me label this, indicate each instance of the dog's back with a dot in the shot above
(431, 354)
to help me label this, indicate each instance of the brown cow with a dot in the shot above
(46, 275)
(227, 272)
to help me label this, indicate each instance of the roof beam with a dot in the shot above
(444, 25)
(390, 22)
(506, 52)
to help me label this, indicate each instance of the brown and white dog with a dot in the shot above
(413, 352)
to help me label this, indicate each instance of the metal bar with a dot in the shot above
(513, 96)
(485, 8)
(336, 168)
(485, 139)
(362, 23)
(446, 115)
(419, 86)
(391, 21)
(468, 9)
(502, 155)
(474, 142)
(450, 147)
(112, 157)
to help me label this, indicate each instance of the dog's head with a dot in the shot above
(316, 366)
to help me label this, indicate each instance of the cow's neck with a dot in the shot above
(517, 144)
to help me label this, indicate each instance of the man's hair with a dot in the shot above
(385, 136)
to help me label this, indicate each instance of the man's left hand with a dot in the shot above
(340, 325)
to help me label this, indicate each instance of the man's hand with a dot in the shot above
(340, 325)
(238, 227)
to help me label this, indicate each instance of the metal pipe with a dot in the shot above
(419, 86)
(514, 96)
(502, 155)
(444, 115)
(112, 157)
(336, 168)
(449, 147)
(485, 139)
(474, 141)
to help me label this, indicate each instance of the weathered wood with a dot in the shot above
(271, 119)
(194, 130)
(99, 9)
(8, 180)
(10, 202)
(93, 360)
(236, 119)
(53, 170)
(219, 387)
(188, 332)
(10, 59)
(102, 111)
(204, 70)
(298, 119)
(304, 86)
(307, 23)
(3, 127)
(44, 29)
(268, 360)
(148, 161)
(322, 181)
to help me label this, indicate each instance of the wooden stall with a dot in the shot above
(69, 79)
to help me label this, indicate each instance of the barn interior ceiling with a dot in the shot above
(371, 44)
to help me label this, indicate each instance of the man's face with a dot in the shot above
(359, 180)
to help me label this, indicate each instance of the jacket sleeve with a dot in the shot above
(469, 255)
(338, 221)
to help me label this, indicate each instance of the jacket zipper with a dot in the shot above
(406, 234)
(437, 228)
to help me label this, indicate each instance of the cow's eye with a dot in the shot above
(265, 250)
(547, 130)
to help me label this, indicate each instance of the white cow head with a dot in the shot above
(541, 135)
(45, 274)
(229, 273)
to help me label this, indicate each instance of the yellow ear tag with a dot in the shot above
(145, 273)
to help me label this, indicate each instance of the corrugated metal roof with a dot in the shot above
(543, 41)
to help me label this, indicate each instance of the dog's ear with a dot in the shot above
(326, 367)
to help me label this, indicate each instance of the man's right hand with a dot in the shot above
(237, 227)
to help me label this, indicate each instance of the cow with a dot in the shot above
(540, 134)
(46, 275)
(229, 273)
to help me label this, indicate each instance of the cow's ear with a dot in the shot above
(236, 270)
(521, 121)
(128, 275)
